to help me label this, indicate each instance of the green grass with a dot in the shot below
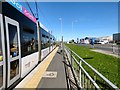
(118, 44)
(105, 64)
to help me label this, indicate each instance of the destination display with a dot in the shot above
(20, 8)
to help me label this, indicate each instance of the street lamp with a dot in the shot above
(61, 33)
(61, 25)
(73, 23)
(80, 62)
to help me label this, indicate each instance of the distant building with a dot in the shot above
(116, 37)
(109, 38)
(87, 40)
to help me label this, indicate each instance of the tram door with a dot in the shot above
(2, 55)
(13, 50)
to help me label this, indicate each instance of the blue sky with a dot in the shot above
(94, 19)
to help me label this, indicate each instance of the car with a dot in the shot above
(101, 42)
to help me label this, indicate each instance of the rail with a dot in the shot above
(87, 78)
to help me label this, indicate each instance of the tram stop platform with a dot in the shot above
(49, 74)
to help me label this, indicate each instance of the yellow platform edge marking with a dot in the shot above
(35, 80)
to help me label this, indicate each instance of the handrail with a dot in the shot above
(93, 69)
(87, 74)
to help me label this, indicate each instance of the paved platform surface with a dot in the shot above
(39, 78)
(106, 52)
(57, 78)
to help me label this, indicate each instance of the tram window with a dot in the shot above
(44, 41)
(47, 44)
(14, 68)
(43, 35)
(42, 44)
(28, 42)
(1, 55)
(13, 38)
(47, 36)
(1, 76)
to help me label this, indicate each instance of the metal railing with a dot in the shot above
(87, 79)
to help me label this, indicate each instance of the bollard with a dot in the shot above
(113, 48)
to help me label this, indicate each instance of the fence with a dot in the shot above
(86, 76)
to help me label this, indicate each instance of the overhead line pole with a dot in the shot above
(62, 36)
(39, 32)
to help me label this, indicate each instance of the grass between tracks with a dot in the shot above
(107, 65)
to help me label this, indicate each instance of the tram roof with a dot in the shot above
(42, 26)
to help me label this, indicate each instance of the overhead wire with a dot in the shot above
(37, 12)
(37, 9)
(29, 8)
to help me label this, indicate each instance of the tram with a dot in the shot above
(19, 43)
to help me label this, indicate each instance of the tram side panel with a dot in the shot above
(28, 63)
(47, 41)
(51, 48)
(44, 52)
(29, 46)
(28, 38)
(51, 43)
(44, 43)
(54, 43)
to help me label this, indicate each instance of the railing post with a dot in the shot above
(94, 77)
(80, 72)
(83, 80)
(113, 47)
(71, 58)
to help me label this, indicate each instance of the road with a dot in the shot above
(106, 47)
